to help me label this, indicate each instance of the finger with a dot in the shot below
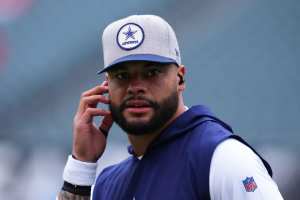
(89, 113)
(91, 101)
(106, 124)
(99, 89)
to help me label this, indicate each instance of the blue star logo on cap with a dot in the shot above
(130, 36)
(129, 33)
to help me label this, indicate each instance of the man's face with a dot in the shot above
(143, 96)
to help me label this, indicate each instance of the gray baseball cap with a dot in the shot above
(139, 38)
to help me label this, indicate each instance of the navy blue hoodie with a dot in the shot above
(175, 166)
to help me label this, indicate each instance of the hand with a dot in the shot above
(89, 141)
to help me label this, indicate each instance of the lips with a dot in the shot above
(138, 106)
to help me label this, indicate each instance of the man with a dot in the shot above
(176, 152)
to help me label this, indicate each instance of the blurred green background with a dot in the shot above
(242, 60)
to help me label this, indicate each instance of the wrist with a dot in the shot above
(84, 158)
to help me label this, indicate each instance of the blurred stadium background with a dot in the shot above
(242, 60)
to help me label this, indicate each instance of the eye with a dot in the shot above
(153, 72)
(121, 75)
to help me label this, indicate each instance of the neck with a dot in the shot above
(140, 143)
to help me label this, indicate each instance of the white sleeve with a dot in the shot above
(236, 173)
(79, 173)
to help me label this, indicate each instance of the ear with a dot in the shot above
(181, 73)
(106, 78)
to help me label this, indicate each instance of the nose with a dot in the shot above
(136, 86)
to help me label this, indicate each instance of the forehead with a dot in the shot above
(138, 65)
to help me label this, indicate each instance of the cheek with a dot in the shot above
(158, 83)
(115, 95)
(162, 89)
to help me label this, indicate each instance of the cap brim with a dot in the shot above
(139, 57)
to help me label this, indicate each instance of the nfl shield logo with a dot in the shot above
(249, 184)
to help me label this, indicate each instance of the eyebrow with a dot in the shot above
(157, 64)
(117, 67)
(124, 66)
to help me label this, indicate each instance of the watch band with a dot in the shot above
(77, 189)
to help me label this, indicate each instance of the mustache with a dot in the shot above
(150, 102)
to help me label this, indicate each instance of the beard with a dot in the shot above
(163, 112)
